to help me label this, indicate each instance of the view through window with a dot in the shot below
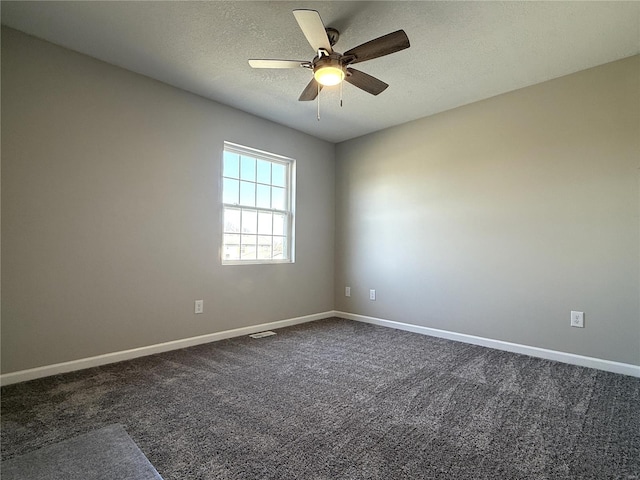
(257, 198)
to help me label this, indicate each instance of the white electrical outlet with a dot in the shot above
(347, 291)
(199, 306)
(577, 319)
(372, 294)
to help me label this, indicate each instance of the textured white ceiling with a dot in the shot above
(460, 52)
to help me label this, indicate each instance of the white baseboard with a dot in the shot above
(80, 364)
(598, 363)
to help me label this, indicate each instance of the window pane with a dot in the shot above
(279, 223)
(265, 223)
(248, 247)
(248, 194)
(278, 201)
(264, 171)
(230, 189)
(248, 168)
(279, 248)
(264, 248)
(231, 239)
(278, 173)
(264, 196)
(249, 221)
(231, 252)
(231, 167)
(231, 220)
(248, 239)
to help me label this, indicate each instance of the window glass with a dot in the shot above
(247, 168)
(264, 171)
(278, 224)
(231, 167)
(278, 199)
(265, 223)
(230, 189)
(232, 220)
(248, 194)
(249, 221)
(279, 175)
(263, 197)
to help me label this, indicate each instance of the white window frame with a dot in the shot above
(289, 211)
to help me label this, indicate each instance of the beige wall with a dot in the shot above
(498, 218)
(111, 215)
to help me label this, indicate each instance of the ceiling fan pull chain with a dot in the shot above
(341, 84)
(318, 97)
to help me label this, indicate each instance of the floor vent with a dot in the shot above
(268, 333)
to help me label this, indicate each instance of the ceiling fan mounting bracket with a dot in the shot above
(333, 35)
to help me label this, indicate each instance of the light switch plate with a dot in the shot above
(199, 306)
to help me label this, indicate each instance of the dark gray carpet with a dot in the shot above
(104, 454)
(337, 399)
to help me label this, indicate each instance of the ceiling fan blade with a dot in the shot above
(310, 92)
(390, 43)
(313, 28)
(269, 63)
(365, 81)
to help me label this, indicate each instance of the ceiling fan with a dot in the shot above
(330, 67)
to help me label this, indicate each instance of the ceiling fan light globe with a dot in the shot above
(329, 75)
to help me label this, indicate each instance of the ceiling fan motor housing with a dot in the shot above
(325, 59)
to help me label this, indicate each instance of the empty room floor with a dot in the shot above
(337, 399)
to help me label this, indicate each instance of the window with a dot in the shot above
(258, 206)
